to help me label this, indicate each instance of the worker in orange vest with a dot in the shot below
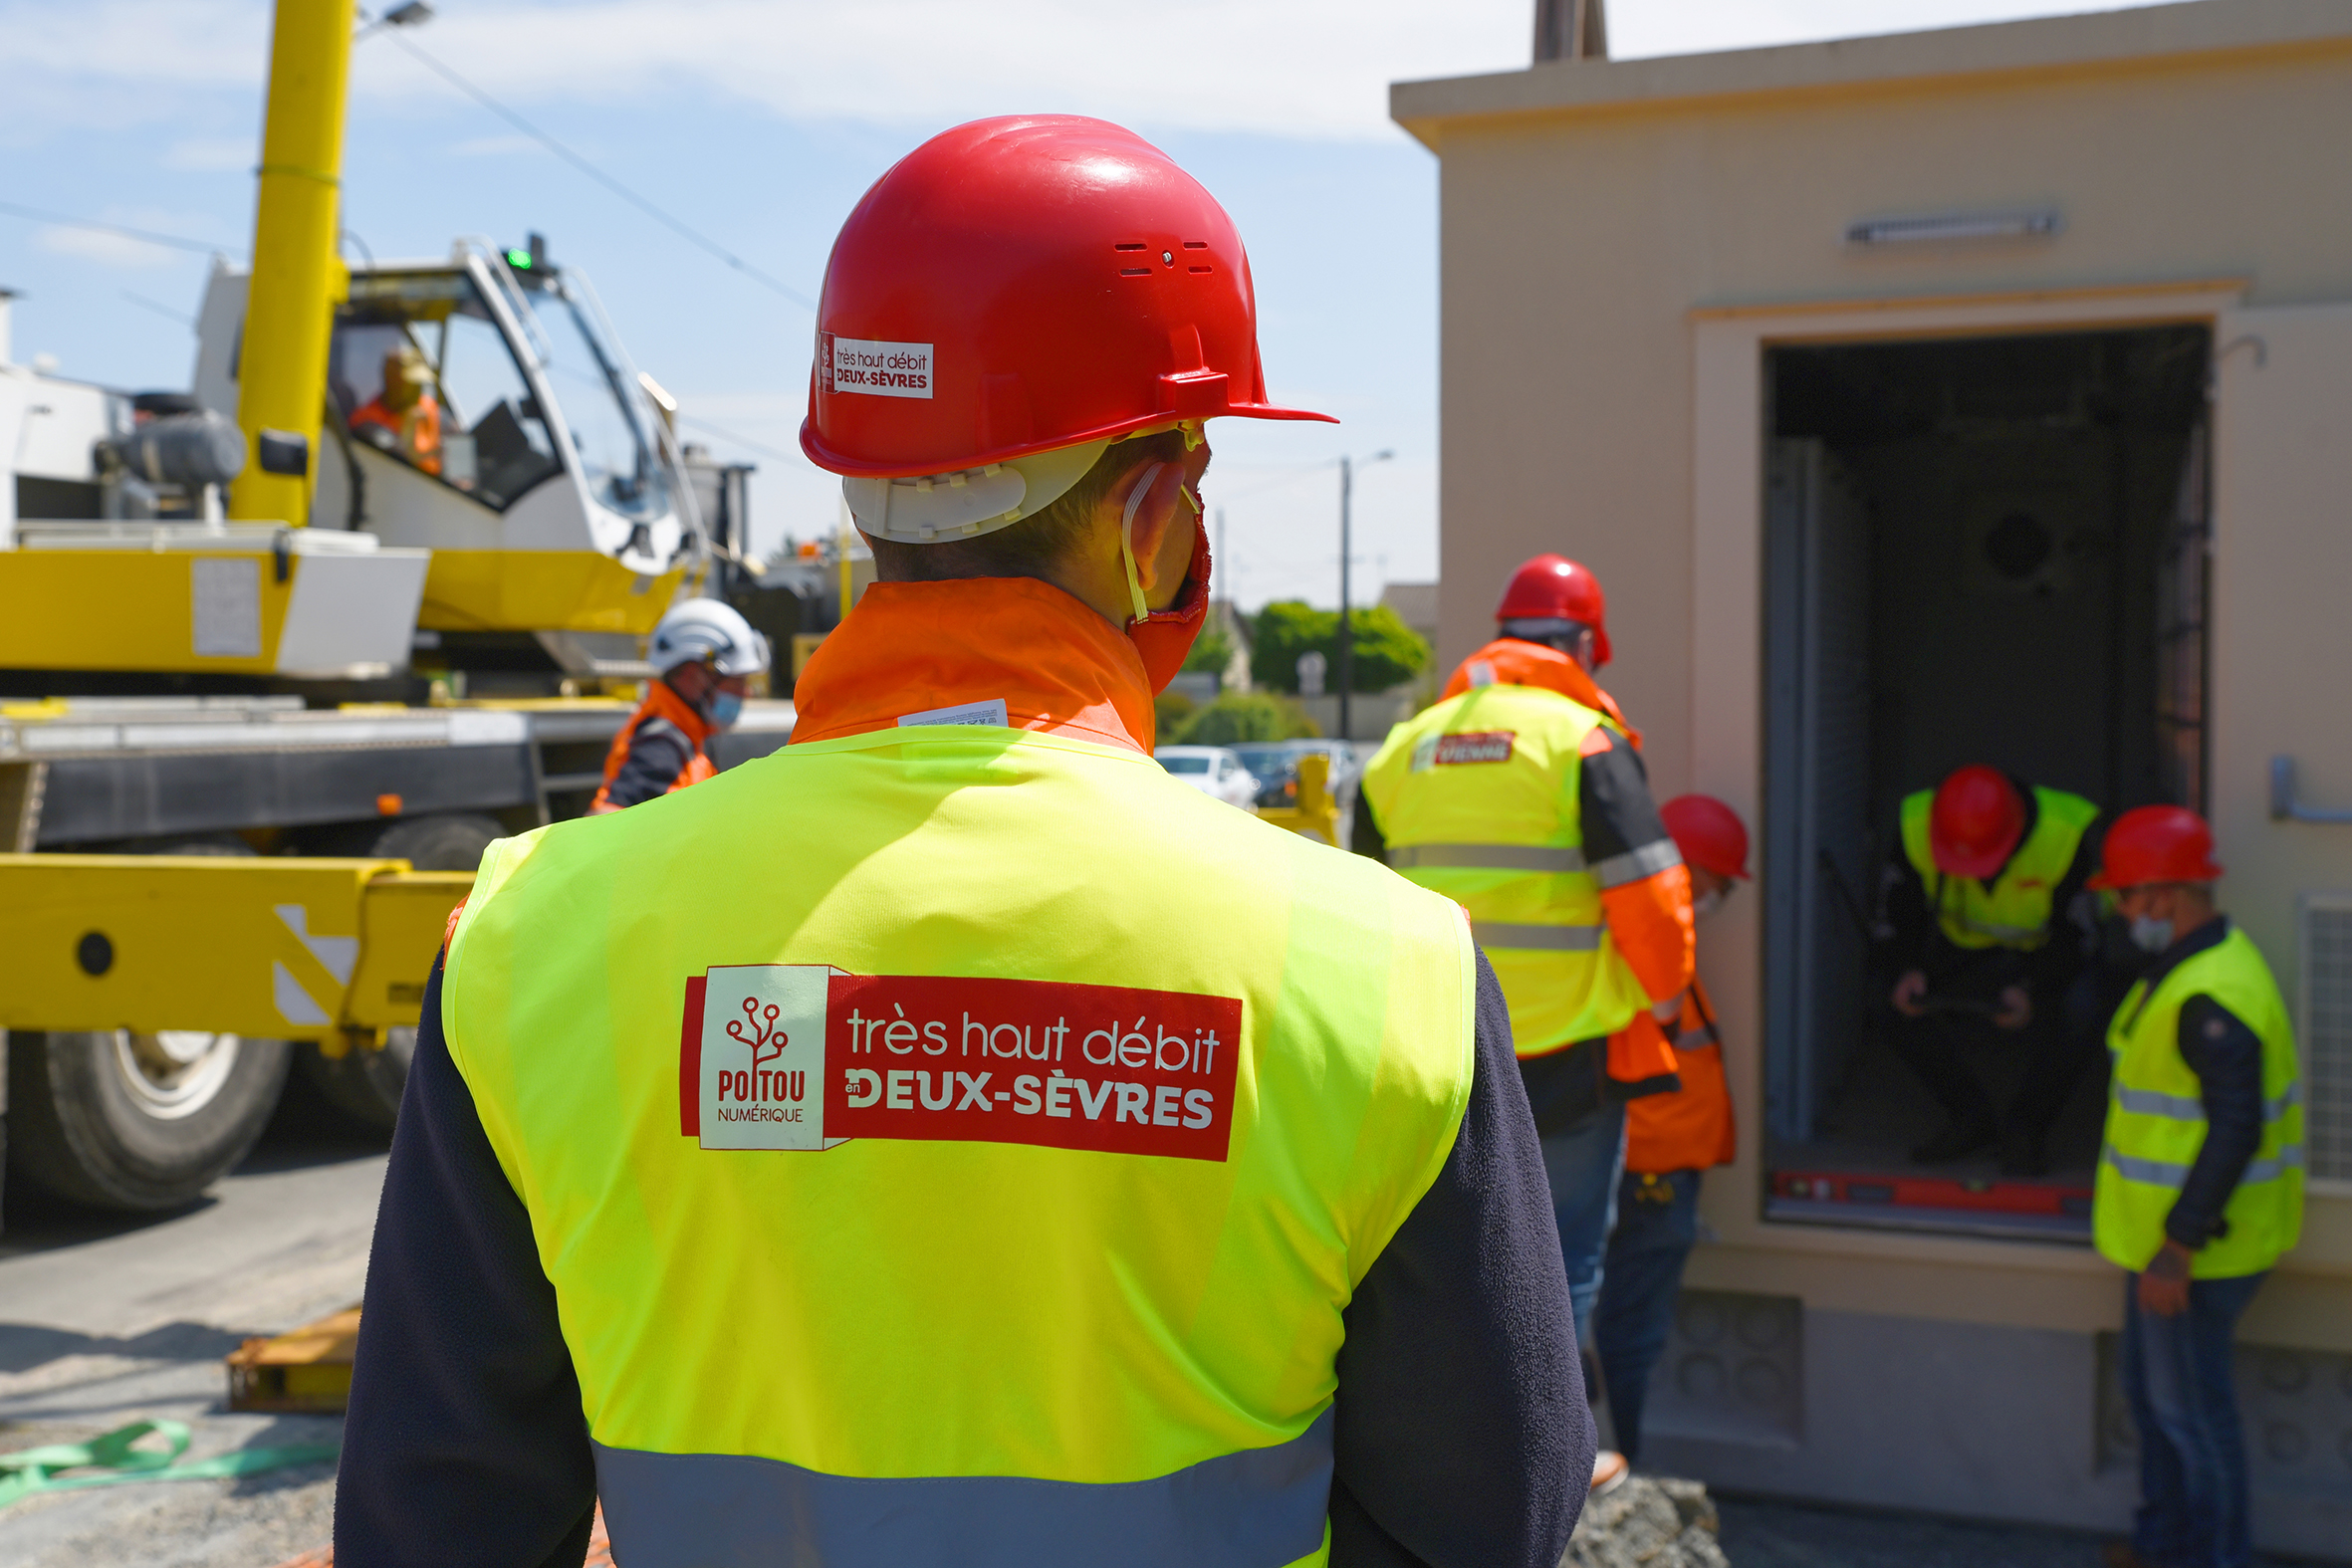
(703, 656)
(404, 418)
(1670, 1139)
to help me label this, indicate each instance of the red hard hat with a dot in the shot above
(2156, 844)
(1554, 588)
(1709, 833)
(1977, 818)
(1023, 284)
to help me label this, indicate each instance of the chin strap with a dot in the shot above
(1127, 537)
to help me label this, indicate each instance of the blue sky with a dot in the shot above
(760, 121)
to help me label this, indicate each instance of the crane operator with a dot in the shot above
(704, 655)
(951, 1139)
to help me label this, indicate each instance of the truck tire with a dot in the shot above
(136, 1122)
(365, 1085)
(139, 1122)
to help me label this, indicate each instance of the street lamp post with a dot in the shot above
(1346, 632)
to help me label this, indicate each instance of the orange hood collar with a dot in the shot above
(1511, 662)
(911, 647)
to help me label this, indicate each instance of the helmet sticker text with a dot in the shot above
(878, 369)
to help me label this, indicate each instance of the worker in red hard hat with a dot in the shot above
(1670, 1141)
(1991, 940)
(951, 1138)
(2200, 1180)
(1523, 794)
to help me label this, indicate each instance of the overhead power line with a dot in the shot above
(675, 225)
(746, 442)
(69, 221)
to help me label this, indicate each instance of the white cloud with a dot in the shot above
(108, 250)
(1315, 69)
(213, 155)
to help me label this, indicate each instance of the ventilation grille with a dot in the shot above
(2327, 1035)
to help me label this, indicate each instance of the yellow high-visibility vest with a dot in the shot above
(957, 1142)
(2156, 1119)
(2015, 911)
(1477, 798)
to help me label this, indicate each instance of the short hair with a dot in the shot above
(1032, 546)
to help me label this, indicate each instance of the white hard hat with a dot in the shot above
(698, 631)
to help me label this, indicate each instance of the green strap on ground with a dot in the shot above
(31, 1471)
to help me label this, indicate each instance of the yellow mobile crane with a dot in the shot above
(323, 619)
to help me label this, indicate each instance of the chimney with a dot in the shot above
(1570, 30)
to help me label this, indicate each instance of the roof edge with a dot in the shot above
(2141, 37)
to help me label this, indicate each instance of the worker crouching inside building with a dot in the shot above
(704, 655)
(951, 1139)
(1988, 950)
(1522, 796)
(2201, 1181)
(1670, 1141)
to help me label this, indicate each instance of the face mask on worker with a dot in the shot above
(1165, 637)
(723, 709)
(1707, 903)
(2151, 935)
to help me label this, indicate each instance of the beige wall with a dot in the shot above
(1596, 217)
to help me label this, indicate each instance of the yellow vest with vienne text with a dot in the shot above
(958, 1143)
(1477, 798)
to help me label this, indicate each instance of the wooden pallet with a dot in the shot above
(307, 1372)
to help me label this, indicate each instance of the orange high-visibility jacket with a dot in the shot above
(661, 702)
(1692, 1128)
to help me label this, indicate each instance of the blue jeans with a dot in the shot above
(2176, 1373)
(1581, 1166)
(1657, 1225)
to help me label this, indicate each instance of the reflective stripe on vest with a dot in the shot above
(1490, 934)
(705, 1510)
(1008, 1322)
(2156, 1121)
(2017, 910)
(1488, 857)
(1477, 798)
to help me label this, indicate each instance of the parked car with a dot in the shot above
(1213, 770)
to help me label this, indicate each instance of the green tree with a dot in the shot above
(1211, 652)
(1238, 719)
(1387, 651)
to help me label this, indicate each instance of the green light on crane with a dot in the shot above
(519, 260)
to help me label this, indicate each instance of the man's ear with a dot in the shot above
(1164, 507)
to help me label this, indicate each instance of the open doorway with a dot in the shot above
(1977, 550)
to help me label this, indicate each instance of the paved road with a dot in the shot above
(105, 1320)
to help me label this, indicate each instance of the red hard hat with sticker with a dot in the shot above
(2156, 844)
(1554, 588)
(1709, 833)
(1023, 284)
(1976, 821)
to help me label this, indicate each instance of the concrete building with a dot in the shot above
(1980, 394)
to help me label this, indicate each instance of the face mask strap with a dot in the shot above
(1128, 537)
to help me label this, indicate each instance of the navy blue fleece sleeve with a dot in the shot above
(2226, 1057)
(1464, 1439)
(465, 1442)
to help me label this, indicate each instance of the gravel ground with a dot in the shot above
(1760, 1533)
(110, 1319)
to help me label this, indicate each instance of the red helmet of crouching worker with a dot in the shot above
(1004, 301)
(1976, 821)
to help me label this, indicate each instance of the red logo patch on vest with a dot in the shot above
(1478, 745)
(803, 1056)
